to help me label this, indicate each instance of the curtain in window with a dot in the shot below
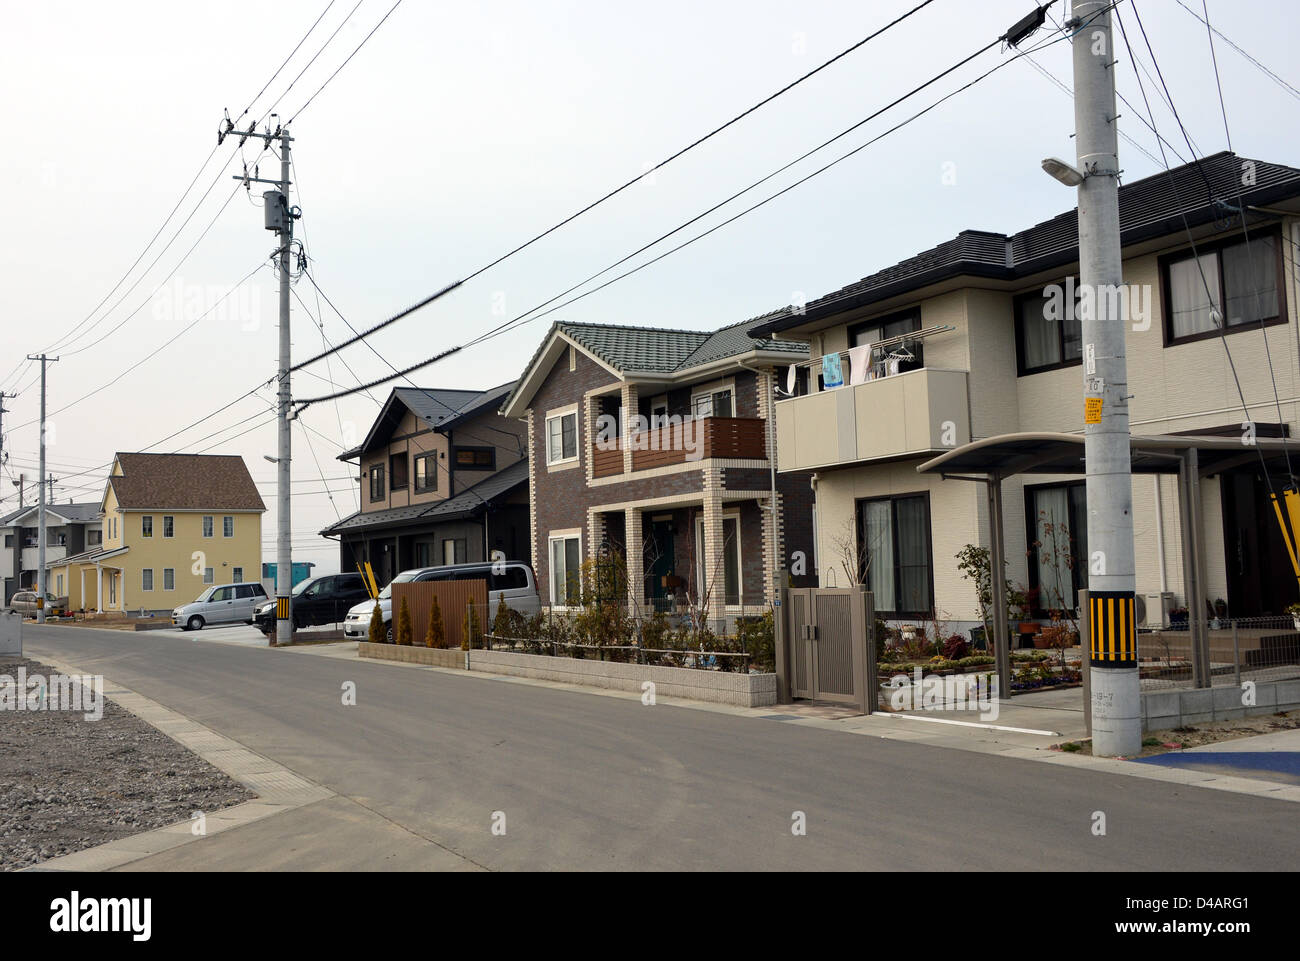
(1042, 341)
(877, 547)
(1250, 279)
(1187, 294)
(913, 534)
(1055, 579)
(731, 565)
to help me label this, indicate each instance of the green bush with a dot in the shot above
(473, 630)
(377, 633)
(757, 637)
(403, 633)
(436, 635)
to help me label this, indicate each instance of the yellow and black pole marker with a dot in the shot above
(1112, 625)
(282, 608)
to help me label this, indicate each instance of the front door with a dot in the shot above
(660, 556)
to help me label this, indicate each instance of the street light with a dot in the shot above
(1067, 174)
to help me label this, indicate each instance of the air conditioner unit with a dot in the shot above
(1153, 610)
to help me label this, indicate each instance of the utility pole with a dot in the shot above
(50, 481)
(1116, 694)
(40, 513)
(278, 216)
(21, 484)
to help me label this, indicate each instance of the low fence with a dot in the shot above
(454, 597)
(1240, 649)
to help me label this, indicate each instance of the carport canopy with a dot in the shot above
(991, 460)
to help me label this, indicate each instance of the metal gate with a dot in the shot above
(827, 640)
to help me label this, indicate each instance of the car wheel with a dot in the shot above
(195, 623)
(390, 633)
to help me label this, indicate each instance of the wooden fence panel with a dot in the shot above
(452, 598)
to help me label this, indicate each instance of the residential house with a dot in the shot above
(444, 480)
(174, 524)
(976, 346)
(69, 529)
(654, 445)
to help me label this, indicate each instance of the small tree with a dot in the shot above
(472, 627)
(503, 625)
(436, 635)
(377, 633)
(403, 633)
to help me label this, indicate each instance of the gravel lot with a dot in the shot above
(67, 783)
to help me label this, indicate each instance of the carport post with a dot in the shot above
(868, 679)
(998, 586)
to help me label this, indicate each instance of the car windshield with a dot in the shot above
(300, 587)
(403, 578)
(204, 596)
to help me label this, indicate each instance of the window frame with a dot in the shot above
(146, 579)
(402, 458)
(892, 500)
(577, 436)
(853, 330)
(236, 575)
(209, 575)
(491, 453)
(551, 538)
(227, 524)
(169, 526)
(1079, 569)
(169, 579)
(1022, 370)
(732, 514)
(376, 474)
(1268, 233)
(146, 525)
(209, 526)
(419, 459)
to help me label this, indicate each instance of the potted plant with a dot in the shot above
(1178, 619)
(1294, 611)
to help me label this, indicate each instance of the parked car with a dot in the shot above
(224, 604)
(513, 579)
(24, 602)
(318, 600)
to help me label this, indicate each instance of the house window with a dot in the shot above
(58, 585)
(146, 525)
(716, 403)
(397, 471)
(237, 574)
(426, 473)
(1044, 340)
(227, 526)
(169, 578)
(894, 554)
(9, 540)
(562, 438)
(1057, 514)
(169, 526)
(94, 538)
(476, 458)
(566, 570)
(207, 525)
(208, 577)
(146, 579)
(1236, 280)
(886, 328)
(730, 587)
(377, 482)
(455, 550)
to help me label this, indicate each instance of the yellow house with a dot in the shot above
(173, 525)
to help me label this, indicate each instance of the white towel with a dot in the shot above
(859, 364)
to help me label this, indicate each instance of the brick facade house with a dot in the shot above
(654, 445)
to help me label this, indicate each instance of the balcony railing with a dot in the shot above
(914, 413)
(682, 441)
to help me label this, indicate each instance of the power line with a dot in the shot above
(1265, 70)
(617, 190)
(524, 318)
(345, 62)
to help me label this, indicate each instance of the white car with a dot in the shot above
(514, 579)
(224, 604)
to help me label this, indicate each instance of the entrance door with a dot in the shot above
(1260, 577)
(660, 553)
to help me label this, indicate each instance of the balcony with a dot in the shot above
(909, 414)
(685, 440)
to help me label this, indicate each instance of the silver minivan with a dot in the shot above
(221, 604)
(513, 579)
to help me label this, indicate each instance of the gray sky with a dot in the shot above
(461, 130)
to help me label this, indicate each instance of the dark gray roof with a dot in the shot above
(77, 513)
(465, 504)
(660, 350)
(1152, 207)
(439, 408)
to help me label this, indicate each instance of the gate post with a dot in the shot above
(781, 629)
(865, 643)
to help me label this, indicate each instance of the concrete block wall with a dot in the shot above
(1164, 710)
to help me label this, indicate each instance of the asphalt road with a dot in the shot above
(591, 782)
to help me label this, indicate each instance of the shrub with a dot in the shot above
(377, 633)
(403, 633)
(956, 647)
(756, 636)
(473, 630)
(436, 635)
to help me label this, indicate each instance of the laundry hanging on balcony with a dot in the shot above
(860, 364)
(832, 372)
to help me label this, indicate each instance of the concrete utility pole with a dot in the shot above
(278, 216)
(1116, 696)
(40, 513)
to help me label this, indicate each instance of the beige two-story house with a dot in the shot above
(979, 338)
